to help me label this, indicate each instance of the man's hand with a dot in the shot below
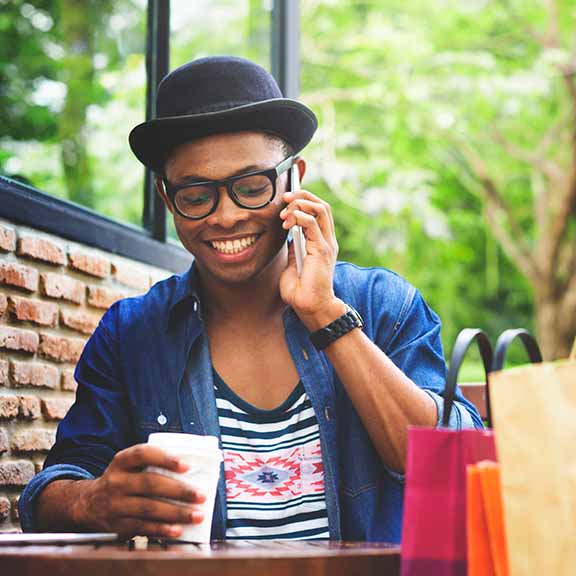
(128, 499)
(311, 295)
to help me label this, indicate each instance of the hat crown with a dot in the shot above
(214, 84)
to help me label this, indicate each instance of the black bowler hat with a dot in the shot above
(215, 95)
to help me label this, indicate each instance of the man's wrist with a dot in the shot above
(324, 315)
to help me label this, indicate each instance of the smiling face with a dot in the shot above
(232, 244)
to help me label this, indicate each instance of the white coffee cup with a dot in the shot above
(202, 455)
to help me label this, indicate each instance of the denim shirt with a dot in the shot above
(147, 368)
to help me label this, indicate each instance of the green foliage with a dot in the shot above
(399, 86)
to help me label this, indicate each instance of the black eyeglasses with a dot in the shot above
(251, 191)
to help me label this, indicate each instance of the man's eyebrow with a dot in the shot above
(192, 178)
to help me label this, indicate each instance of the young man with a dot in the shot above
(310, 381)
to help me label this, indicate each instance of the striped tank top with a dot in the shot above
(273, 468)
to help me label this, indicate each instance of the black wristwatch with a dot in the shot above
(348, 321)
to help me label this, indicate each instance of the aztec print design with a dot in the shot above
(273, 467)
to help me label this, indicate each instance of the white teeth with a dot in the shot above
(233, 246)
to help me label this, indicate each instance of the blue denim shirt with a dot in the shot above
(149, 356)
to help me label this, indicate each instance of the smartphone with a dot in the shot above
(297, 233)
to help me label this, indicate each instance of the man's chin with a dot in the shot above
(233, 275)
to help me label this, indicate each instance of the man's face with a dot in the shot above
(232, 244)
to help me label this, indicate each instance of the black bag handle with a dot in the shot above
(504, 341)
(463, 342)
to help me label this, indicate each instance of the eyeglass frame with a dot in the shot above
(272, 173)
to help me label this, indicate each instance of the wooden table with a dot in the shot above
(241, 558)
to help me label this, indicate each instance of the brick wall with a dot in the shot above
(52, 295)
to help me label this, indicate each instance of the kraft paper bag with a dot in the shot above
(534, 416)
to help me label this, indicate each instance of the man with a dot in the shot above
(311, 400)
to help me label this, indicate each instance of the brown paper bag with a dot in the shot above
(534, 415)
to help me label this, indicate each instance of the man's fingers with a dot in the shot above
(310, 226)
(150, 509)
(129, 527)
(152, 484)
(306, 202)
(143, 455)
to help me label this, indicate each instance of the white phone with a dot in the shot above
(297, 232)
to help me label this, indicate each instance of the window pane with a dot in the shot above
(223, 27)
(73, 80)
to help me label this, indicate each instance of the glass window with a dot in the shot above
(223, 27)
(72, 85)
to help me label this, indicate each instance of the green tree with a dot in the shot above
(440, 124)
(23, 61)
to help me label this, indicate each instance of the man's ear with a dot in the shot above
(161, 191)
(301, 163)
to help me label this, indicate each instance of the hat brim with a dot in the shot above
(289, 119)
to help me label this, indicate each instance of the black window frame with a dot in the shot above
(25, 205)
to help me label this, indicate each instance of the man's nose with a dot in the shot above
(227, 214)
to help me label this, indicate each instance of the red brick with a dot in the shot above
(35, 374)
(7, 239)
(100, 297)
(32, 440)
(3, 372)
(68, 381)
(15, 512)
(17, 473)
(61, 349)
(79, 320)
(4, 509)
(41, 249)
(131, 276)
(18, 340)
(56, 408)
(8, 407)
(36, 311)
(62, 287)
(3, 305)
(3, 441)
(19, 276)
(89, 264)
(29, 407)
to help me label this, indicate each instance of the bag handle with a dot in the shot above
(463, 342)
(504, 341)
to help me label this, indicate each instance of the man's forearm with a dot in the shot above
(386, 400)
(59, 504)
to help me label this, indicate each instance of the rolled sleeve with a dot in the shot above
(460, 417)
(29, 496)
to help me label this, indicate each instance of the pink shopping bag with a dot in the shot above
(434, 525)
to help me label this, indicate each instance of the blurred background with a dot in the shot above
(447, 140)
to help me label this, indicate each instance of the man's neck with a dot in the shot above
(247, 302)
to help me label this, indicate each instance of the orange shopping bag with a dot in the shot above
(487, 552)
(478, 541)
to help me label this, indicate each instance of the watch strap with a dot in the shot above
(336, 329)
